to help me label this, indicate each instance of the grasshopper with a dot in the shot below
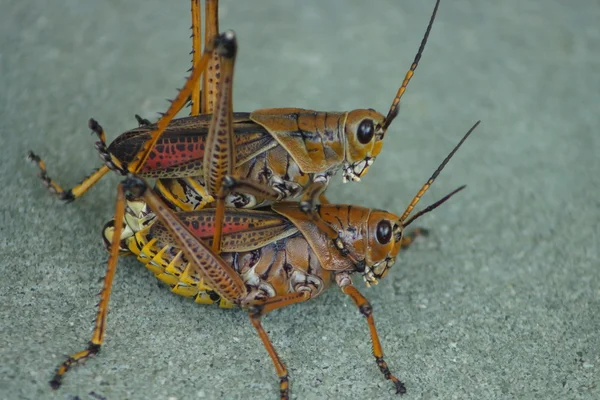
(283, 150)
(272, 257)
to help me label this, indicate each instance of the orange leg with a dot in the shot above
(255, 312)
(196, 51)
(203, 99)
(67, 195)
(219, 159)
(77, 191)
(212, 77)
(365, 309)
(100, 325)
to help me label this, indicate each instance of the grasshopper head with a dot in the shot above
(364, 132)
(384, 240)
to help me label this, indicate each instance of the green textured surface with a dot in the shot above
(502, 301)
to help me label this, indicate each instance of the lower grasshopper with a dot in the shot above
(271, 258)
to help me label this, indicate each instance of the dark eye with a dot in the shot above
(384, 232)
(365, 131)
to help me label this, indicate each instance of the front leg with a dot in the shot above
(367, 311)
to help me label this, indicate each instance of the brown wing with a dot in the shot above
(329, 256)
(183, 142)
(243, 230)
(314, 139)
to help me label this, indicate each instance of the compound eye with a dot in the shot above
(365, 131)
(384, 232)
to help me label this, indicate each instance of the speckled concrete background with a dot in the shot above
(502, 301)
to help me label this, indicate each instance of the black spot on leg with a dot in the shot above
(284, 393)
(93, 348)
(366, 310)
(255, 310)
(67, 196)
(400, 388)
(383, 367)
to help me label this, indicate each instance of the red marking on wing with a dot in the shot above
(177, 152)
(206, 229)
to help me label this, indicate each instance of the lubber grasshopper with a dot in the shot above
(284, 149)
(271, 257)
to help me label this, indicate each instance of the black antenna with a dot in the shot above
(427, 184)
(394, 108)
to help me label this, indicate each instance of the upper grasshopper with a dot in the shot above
(283, 149)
